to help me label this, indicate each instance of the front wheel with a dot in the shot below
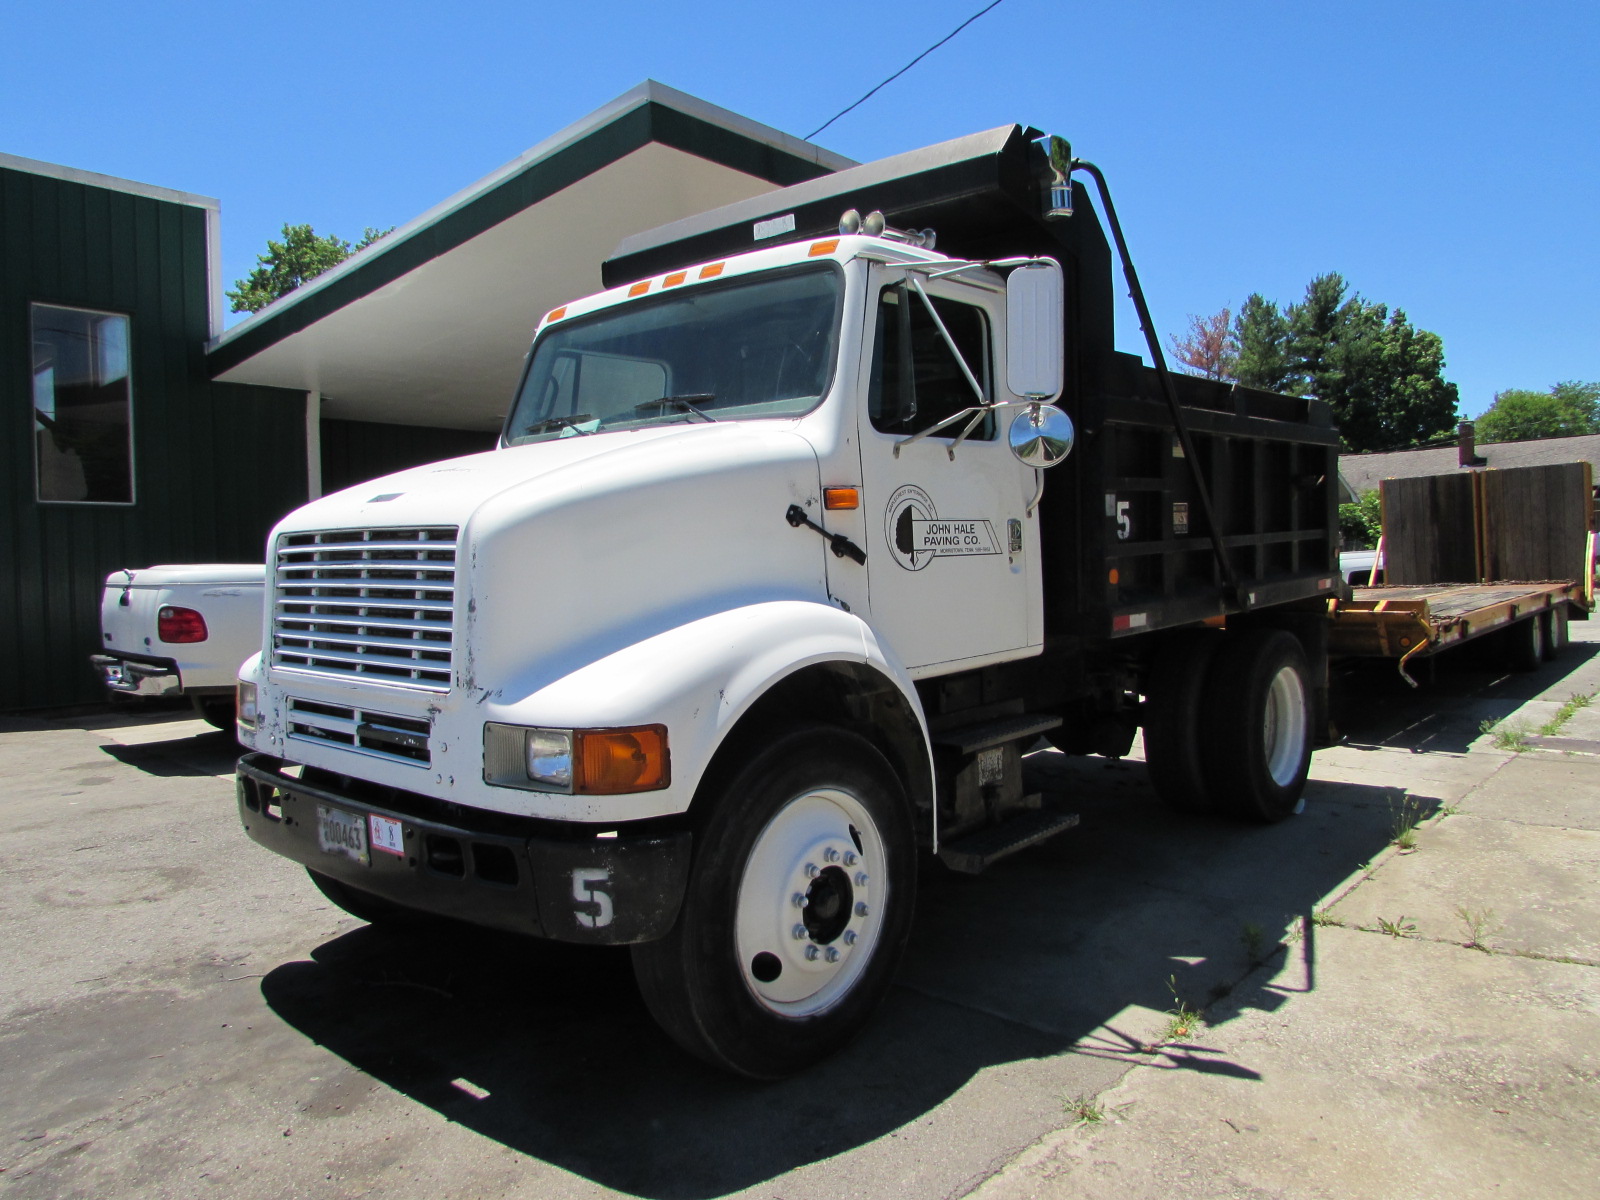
(797, 911)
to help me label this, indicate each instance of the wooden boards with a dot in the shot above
(1523, 523)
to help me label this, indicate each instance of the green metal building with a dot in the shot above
(116, 447)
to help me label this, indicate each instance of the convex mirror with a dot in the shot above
(1041, 435)
(1035, 332)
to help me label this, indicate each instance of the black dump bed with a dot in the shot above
(1126, 545)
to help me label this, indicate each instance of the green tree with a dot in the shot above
(1261, 353)
(1518, 415)
(1381, 375)
(302, 255)
(1362, 521)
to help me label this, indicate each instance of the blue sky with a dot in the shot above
(1441, 156)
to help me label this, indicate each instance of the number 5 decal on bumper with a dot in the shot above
(586, 890)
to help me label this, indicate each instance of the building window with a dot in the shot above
(82, 406)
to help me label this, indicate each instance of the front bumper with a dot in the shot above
(133, 677)
(485, 868)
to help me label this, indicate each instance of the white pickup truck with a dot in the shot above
(181, 631)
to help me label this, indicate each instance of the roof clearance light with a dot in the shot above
(557, 313)
(712, 271)
(674, 279)
(639, 289)
(841, 497)
(820, 248)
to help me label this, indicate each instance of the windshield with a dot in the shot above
(754, 347)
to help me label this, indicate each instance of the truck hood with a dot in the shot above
(573, 548)
(450, 491)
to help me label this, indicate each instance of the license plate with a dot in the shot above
(343, 833)
(387, 835)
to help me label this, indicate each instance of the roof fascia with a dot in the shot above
(648, 113)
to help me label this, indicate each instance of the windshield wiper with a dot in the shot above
(549, 423)
(689, 403)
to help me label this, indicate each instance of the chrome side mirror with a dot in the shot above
(1041, 435)
(1035, 330)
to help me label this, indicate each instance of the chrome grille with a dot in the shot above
(367, 603)
(383, 734)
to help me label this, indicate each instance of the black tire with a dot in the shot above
(1173, 707)
(1555, 632)
(1255, 731)
(364, 906)
(1524, 644)
(795, 804)
(216, 711)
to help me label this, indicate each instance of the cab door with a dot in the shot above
(950, 547)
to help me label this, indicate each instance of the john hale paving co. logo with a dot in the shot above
(917, 535)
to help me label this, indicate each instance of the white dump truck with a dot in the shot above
(781, 564)
(181, 630)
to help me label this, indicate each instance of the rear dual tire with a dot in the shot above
(1228, 727)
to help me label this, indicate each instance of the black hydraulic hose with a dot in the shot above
(1167, 387)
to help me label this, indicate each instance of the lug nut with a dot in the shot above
(849, 858)
(799, 933)
(862, 909)
(833, 954)
(811, 953)
(831, 854)
(799, 900)
(849, 937)
(862, 878)
(812, 871)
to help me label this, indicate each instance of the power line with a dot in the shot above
(904, 69)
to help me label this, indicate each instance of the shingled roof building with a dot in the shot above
(1361, 473)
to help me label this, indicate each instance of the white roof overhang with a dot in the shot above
(430, 325)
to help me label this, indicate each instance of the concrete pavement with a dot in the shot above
(1440, 1027)
(181, 1013)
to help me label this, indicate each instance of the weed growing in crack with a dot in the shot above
(1397, 928)
(1323, 916)
(1403, 821)
(1084, 1111)
(1182, 1021)
(1564, 714)
(1253, 939)
(1510, 735)
(1478, 924)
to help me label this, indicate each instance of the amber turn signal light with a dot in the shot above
(614, 761)
(841, 497)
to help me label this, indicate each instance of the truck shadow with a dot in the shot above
(1460, 690)
(1065, 949)
(1072, 951)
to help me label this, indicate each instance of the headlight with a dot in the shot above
(246, 703)
(590, 762)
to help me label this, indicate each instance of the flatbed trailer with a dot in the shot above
(1411, 621)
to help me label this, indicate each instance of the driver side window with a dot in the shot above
(916, 382)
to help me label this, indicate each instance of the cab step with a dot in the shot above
(971, 854)
(969, 739)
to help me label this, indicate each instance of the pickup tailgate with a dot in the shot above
(228, 596)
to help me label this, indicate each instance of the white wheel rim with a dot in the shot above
(1284, 726)
(801, 855)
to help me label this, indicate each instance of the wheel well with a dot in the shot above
(852, 696)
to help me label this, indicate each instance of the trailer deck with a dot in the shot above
(1416, 620)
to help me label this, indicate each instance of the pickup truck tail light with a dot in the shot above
(175, 624)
